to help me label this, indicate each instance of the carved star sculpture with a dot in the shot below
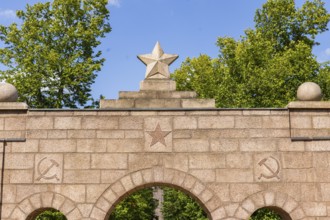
(157, 63)
(158, 136)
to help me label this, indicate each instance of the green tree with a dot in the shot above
(137, 206)
(50, 57)
(51, 215)
(265, 67)
(179, 206)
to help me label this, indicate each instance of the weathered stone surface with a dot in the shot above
(157, 85)
(232, 160)
(309, 91)
(8, 92)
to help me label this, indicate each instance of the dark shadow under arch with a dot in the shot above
(136, 189)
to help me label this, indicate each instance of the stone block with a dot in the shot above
(288, 145)
(297, 160)
(234, 175)
(57, 145)
(239, 192)
(29, 146)
(125, 145)
(176, 94)
(239, 160)
(198, 188)
(206, 175)
(111, 176)
(39, 123)
(317, 146)
(207, 161)
(85, 209)
(325, 191)
(76, 192)
(315, 208)
(67, 122)
(158, 103)
(248, 122)
(190, 145)
(301, 175)
(94, 191)
(224, 145)
(48, 168)
(91, 145)
(21, 176)
(215, 122)
(137, 95)
(301, 122)
(72, 134)
(321, 122)
(20, 106)
(77, 161)
(275, 122)
(267, 167)
(19, 161)
(109, 161)
(176, 161)
(198, 103)
(258, 144)
(9, 193)
(13, 124)
(113, 103)
(82, 176)
(134, 134)
(100, 122)
(57, 134)
(157, 85)
(184, 122)
(131, 123)
(142, 161)
(116, 134)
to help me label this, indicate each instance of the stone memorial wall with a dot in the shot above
(233, 161)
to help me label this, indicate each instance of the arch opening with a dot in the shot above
(270, 212)
(46, 213)
(164, 201)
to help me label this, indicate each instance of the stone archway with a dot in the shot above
(46, 200)
(275, 200)
(155, 176)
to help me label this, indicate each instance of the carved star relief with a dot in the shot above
(158, 135)
(157, 63)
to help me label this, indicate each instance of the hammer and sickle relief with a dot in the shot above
(52, 164)
(272, 166)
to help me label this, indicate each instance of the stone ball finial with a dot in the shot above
(309, 91)
(8, 93)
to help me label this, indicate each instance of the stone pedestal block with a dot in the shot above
(157, 85)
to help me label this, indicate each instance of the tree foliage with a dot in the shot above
(265, 67)
(51, 215)
(50, 57)
(137, 206)
(179, 206)
(141, 205)
(265, 214)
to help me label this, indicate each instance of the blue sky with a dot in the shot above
(184, 27)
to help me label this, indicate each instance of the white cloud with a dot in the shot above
(114, 2)
(327, 51)
(7, 13)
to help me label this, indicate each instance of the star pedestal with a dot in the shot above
(157, 90)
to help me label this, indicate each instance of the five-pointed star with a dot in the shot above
(157, 63)
(158, 136)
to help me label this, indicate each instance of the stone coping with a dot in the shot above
(156, 109)
(13, 106)
(309, 105)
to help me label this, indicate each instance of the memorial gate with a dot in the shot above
(232, 161)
